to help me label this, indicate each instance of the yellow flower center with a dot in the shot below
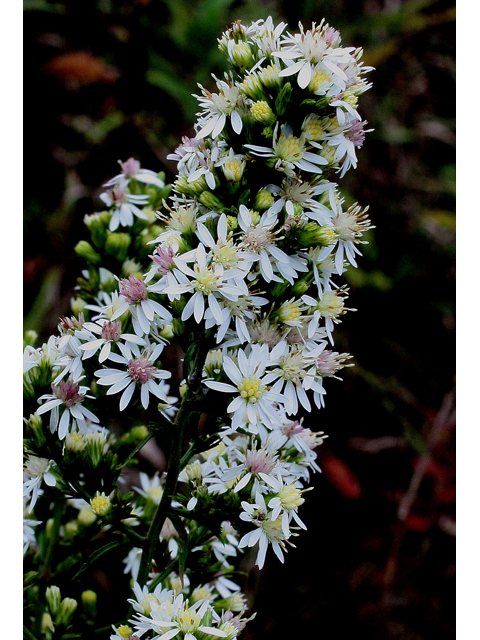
(318, 78)
(251, 389)
(124, 631)
(290, 497)
(290, 148)
(100, 504)
(205, 281)
(289, 312)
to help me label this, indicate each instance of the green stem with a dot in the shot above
(183, 420)
(139, 446)
(57, 519)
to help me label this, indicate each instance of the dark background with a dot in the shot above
(106, 80)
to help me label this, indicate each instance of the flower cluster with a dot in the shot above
(238, 268)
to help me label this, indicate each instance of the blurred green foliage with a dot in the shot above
(105, 80)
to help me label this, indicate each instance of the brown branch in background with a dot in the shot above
(444, 418)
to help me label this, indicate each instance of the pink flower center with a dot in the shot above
(164, 259)
(141, 369)
(133, 290)
(356, 134)
(259, 461)
(130, 168)
(327, 363)
(111, 330)
(67, 392)
(292, 428)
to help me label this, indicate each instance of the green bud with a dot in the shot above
(71, 529)
(263, 200)
(178, 326)
(117, 245)
(29, 338)
(194, 188)
(262, 112)
(280, 288)
(130, 267)
(46, 626)
(85, 250)
(167, 332)
(177, 307)
(300, 287)
(283, 99)
(35, 430)
(232, 223)
(139, 432)
(89, 602)
(49, 527)
(241, 54)
(66, 611)
(94, 447)
(54, 598)
(209, 200)
(97, 224)
(77, 305)
(28, 388)
(312, 234)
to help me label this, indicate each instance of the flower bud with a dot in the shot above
(139, 432)
(233, 169)
(30, 338)
(262, 112)
(77, 305)
(263, 200)
(209, 200)
(241, 55)
(117, 245)
(130, 267)
(89, 602)
(75, 442)
(34, 425)
(283, 99)
(300, 287)
(312, 234)
(54, 598)
(232, 223)
(71, 529)
(85, 250)
(47, 627)
(193, 188)
(66, 611)
(167, 332)
(95, 444)
(178, 327)
(101, 504)
(97, 224)
(86, 517)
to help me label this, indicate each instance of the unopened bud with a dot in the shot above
(209, 200)
(117, 245)
(233, 169)
(77, 305)
(34, 425)
(283, 99)
(54, 598)
(312, 234)
(167, 332)
(139, 432)
(241, 55)
(71, 529)
(263, 200)
(97, 224)
(85, 250)
(178, 326)
(262, 112)
(89, 602)
(300, 287)
(66, 611)
(232, 223)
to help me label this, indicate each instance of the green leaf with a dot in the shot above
(98, 554)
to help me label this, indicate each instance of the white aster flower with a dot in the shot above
(134, 298)
(110, 335)
(253, 401)
(67, 397)
(209, 282)
(36, 471)
(124, 206)
(131, 170)
(290, 151)
(216, 108)
(140, 370)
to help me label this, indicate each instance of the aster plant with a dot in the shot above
(237, 265)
